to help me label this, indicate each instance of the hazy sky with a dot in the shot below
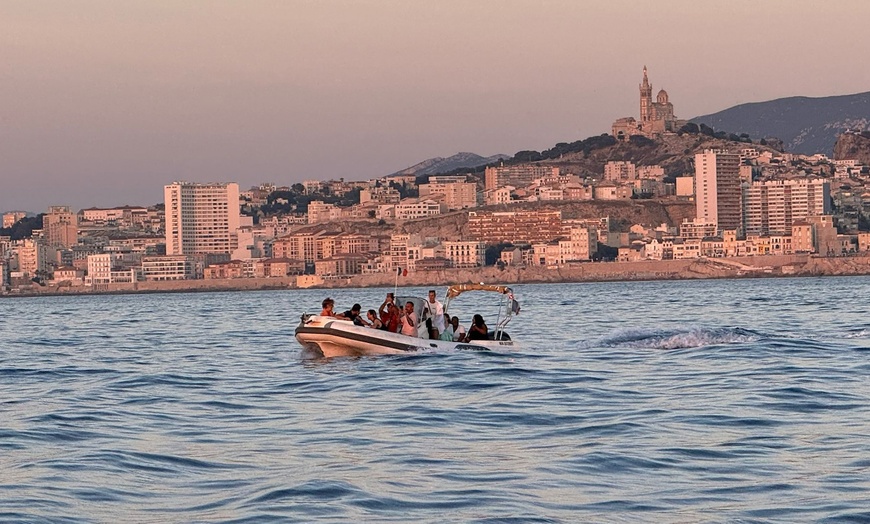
(104, 102)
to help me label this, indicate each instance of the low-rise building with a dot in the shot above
(170, 267)
(411, 209)
(467, 254)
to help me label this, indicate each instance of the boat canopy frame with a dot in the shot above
(507, 306)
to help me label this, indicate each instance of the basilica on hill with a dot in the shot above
(656, 118)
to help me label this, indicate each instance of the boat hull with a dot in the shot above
(331, 337)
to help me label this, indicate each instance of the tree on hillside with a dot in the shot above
(689, 128)
(493, 252)
(641, 141)
(528, 156)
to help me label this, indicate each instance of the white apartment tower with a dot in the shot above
(718, 189)
(201, 218)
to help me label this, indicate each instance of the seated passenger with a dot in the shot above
(458, 329)
(433, 331)
(447, 334)
(353, 314)
(328, 306)
(374, 322)
(478, 329)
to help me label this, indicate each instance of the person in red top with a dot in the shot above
(389, 314)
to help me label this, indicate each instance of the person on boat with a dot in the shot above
(436, 311)
(458, 329)
(447, 334)
(478, 329)
(328, 309)
(374, 321)
(353, 314)
(389, 313)
(433, 331)
(409, 320)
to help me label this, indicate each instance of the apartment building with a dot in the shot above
(100, 269)
(127, 215)
(718, 195)
(320, 212)
(411, 209)
(381, 195)
(518, 175)
(400, 245)
(498, 196)
(455, 191)
(620, 171)
(697, 228)
(60, 227)
(170, 267)
(302, 245)
(771, 207)
(514, 226)
(201, 218)
(32, 257)
(465, 254)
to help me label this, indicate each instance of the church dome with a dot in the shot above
(662, 97)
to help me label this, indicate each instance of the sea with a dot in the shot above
(672, 401)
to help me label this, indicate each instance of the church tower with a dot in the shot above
(645, 99)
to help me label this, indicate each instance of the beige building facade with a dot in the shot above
(201, 218)
(718, 193)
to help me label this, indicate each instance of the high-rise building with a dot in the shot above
(201, 218)
(717, 189)
(60, 227)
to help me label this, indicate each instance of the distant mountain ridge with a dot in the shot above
(805, 125)
(437, 165)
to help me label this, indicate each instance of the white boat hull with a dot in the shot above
(332, 337)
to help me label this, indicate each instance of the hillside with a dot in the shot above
(675, 153)
(805, 125)
(444, 165)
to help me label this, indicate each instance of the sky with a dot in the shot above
(103, 102)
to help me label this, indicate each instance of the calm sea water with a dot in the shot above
(728, 400)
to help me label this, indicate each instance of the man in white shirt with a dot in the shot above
(436, 312)
(409, 321)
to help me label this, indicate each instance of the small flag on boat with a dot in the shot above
(401, 273)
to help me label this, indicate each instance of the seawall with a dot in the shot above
(736, 267)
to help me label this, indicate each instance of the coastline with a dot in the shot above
(689, 269)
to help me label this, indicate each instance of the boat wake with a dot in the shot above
(676, 338)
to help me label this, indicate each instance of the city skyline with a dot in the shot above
(107, 103)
